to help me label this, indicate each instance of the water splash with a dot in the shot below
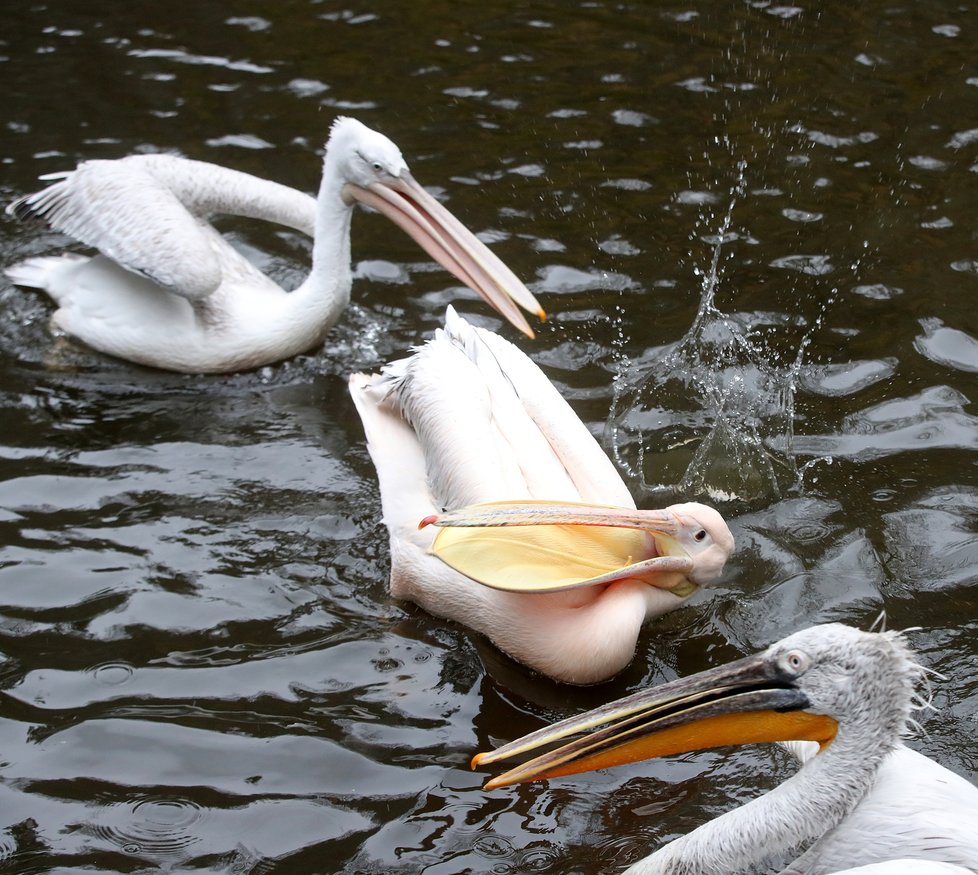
(713, 415)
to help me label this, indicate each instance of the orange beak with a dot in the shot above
(748, 701)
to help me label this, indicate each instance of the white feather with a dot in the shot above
(167, 290)
(865, 799)
(467, 419)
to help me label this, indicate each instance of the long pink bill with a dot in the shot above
(451, 244)
(548, 513)
(540, 546)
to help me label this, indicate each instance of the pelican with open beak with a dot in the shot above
(861, 797)
(543, 546)
(543, 550)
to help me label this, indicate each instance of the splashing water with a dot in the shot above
(713, 414)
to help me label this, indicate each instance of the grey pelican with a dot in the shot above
(168, 291)
(861, 798)
(542, 549)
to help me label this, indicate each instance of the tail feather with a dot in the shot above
(40, 272)
(396, 454)
(50, 273)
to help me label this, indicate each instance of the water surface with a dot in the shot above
(200, 667)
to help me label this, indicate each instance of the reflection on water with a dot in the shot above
(758, 217)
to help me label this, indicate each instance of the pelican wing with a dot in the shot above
(438, 391)
(491, 427)
(478, 442)
(594, 476)
(146, 213)
(502, 372)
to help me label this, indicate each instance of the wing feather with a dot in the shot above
(148, 214)
(543, 471)
(594, 475)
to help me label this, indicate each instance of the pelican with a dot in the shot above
(861, 798)
(542, 549)
(168, 291)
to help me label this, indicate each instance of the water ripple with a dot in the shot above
(877, 291)
(846, 378)
(492, 846)
(814, 265)
(809, 531)
(538, 859)
(188, 58)
(112, 674)
(151, 826)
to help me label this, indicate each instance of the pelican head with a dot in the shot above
(371, 170)
(702, 534)
(830, 684)
(362, 155)
(541, 546)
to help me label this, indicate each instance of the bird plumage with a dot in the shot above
(470, 419)
(861, 796)
(914, 808)
(169, 291)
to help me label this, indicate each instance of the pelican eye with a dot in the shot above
(376, 166)
(700, 535)
(796, 661)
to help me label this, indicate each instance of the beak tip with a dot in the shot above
(496, 783)
(428, 520)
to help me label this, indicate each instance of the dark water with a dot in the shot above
(201, 669)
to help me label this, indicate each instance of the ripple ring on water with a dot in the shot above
(150, 826)
(808, 531)
(538, 860)
(112, 674)
(492, 846)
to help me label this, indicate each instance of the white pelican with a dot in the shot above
(861, 796)
(167, 290)
(468, 419)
